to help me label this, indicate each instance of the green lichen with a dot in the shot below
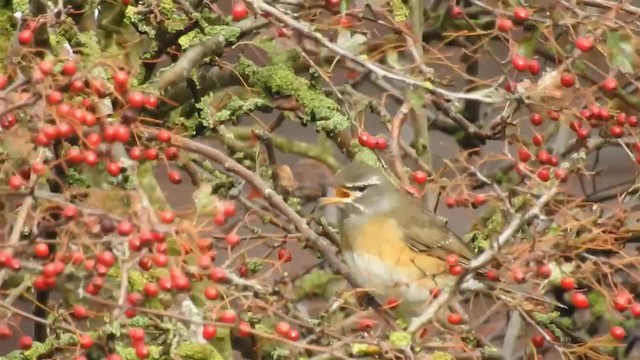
(21, 6)
(193, 351)
(7, 26)
(400, 339)
(132, 17)
(399, 9)
(364, 155)
(235, 108)
(280, 80)
(77, 179)
(546, 319)
(317, 282)
(439, 355)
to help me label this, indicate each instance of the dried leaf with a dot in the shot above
(286, 177)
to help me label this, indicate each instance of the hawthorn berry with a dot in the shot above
(584, 44)
(209, 331)
(454, 319)
(239, 11)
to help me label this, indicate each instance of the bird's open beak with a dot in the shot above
(342, 196)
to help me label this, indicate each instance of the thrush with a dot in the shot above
(394, 247)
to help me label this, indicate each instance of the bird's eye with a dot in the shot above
(360, 188)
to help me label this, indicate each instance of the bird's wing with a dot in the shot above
(424, 233)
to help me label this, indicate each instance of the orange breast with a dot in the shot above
(378, 243)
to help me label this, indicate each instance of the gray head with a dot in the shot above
(362, 189)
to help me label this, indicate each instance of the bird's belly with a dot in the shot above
(377, 277)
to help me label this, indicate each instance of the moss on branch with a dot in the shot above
(292, 146)
(281, 80)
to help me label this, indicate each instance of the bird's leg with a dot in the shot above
(366, 299)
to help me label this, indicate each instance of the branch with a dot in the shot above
(483, 259)
(376, 69)
(319, 243)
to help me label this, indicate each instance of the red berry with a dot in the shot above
(135, 298)
(519, 63)
(209, 331)
(151, 289)
(45, 68)
(419, 177)
(232, 240)
(622, 301)
(609, 84)
(174, 177)
(584, 44)
(282, 32)
(455, 270)
(616, 131)
(55, 97)
(543, 174)
(25, 37)
(5, 332)
(136, 334)
(567, 80)
(553, 115)
(294, 335)
(218, 275)
(454, 319)
(538, 341)
(537, 140)
(41, 250)
(106, 258)
(582, 133)
(85, 341)
(366, 324)
(504, 24)
(635, 310)
(452, 259)
(380, 143)
(523, 154)
(521, 14)
(151, 101)
(618, 333)
(113, 168)
(518, 276)
(333, 3)
(544, 271)
(239, 11)
(167, 216)
(451, 202)
(135, 99)
(142, 352)
(211, 293)
(76, 86)
(534, 67)
(135, 153)
(229, 209)
(122, 133)
(69, 68)
(560, 174)
(70, 212)
(579, 300)
(282, 328)
(16, 182)
(151, 154)
(228, 317)
(284, 255)
(125, 228)
(25, 342)
(632, 121)
(456, 12)
(80, 312)
(536, 119)
(121, 78)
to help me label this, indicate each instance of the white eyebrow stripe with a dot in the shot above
(369, 182)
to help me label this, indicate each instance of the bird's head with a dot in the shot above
(362, 189)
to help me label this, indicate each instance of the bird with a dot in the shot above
(393, 246)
